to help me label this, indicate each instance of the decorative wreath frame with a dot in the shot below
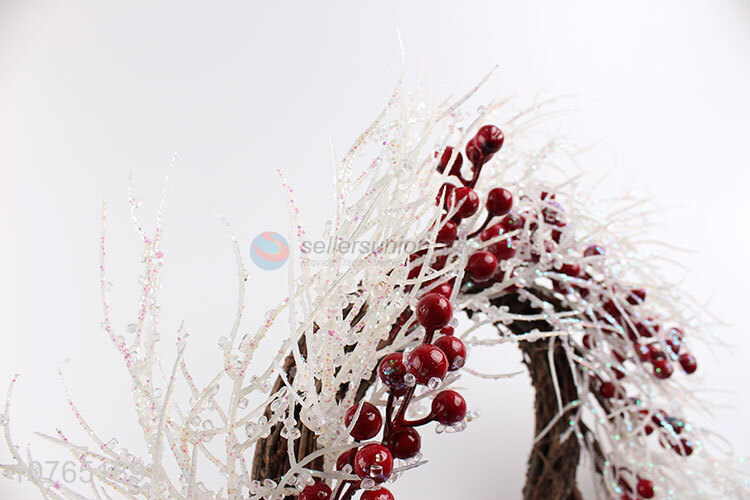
(560, 274)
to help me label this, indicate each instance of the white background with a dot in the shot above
(90, 91)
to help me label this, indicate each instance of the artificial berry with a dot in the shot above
(674, 340)
(647, 328)
(688, 362)
(685, 447)
(444, 289)
(316, 491)
(474, 152)
(404, 442)
(645, 488)
(607, 389)
(482, 265)
(619, 373)
(593, 250)
(446, 157)
(637, 296)
(345, 459)
(448, 330)
(392, 370)
(489, 139)
(448, 233)
(663, 368)
(434, 311)
(426, 362)
(374, 461)
(368, 424)
(449, 407)
(466, 200)
(572, 270)
(381, 494)
(499, 201)
(612, 308)
(445, 193)
(552, 214)
(454, 350)
(492, 232)
(502, 250)
(512, 221)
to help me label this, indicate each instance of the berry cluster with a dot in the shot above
(510, 240)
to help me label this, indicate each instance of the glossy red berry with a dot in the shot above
(674, 340)
(512, 221)
(405, 442)
(426, 362)
(645, 488)
(434, 311)
(593, 250)
(482, 265)
(636, 296)
(474, 153)
(499, 201)
(492, 232)
(444, 289)
(607, 389)
(391, 371)
(662, 368)
(345, 459)
(444, 194)
(489, 139)
(445, 159)
(448, 330)
(449, 407)
(502, 250)
(572, 270)
(381, 494)
(374, 461)
(448, 233)
(454, 350)
(466, 200)
(368, 424)
(688, 362)
(316, 491)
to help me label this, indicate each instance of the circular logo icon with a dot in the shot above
(269, 250)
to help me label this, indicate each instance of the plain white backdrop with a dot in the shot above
(90, 91)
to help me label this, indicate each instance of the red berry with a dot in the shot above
(345, 459)
(368, 424)
(499, 201)
(637, 296)
(374, 461)
(489, 139)
(466, 199)
(607, 389)
(405, 442)
(445, 193)
(392, 370)
(492, 232)
(685, 448)
(572, 270)
(426, 362)
(448, 233)
(454, 350)
(474, 153)
(662, 368)
(316, 491)
(449, 407)
(619, 374)
(434, 311)
(381, 494)
(512, 221)
(444, 289)
(674, 340)
(645, 488)
(589, 342)
(688, 363)
(445, 158)
(502, 250)
(482, 265)
(593, 250)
